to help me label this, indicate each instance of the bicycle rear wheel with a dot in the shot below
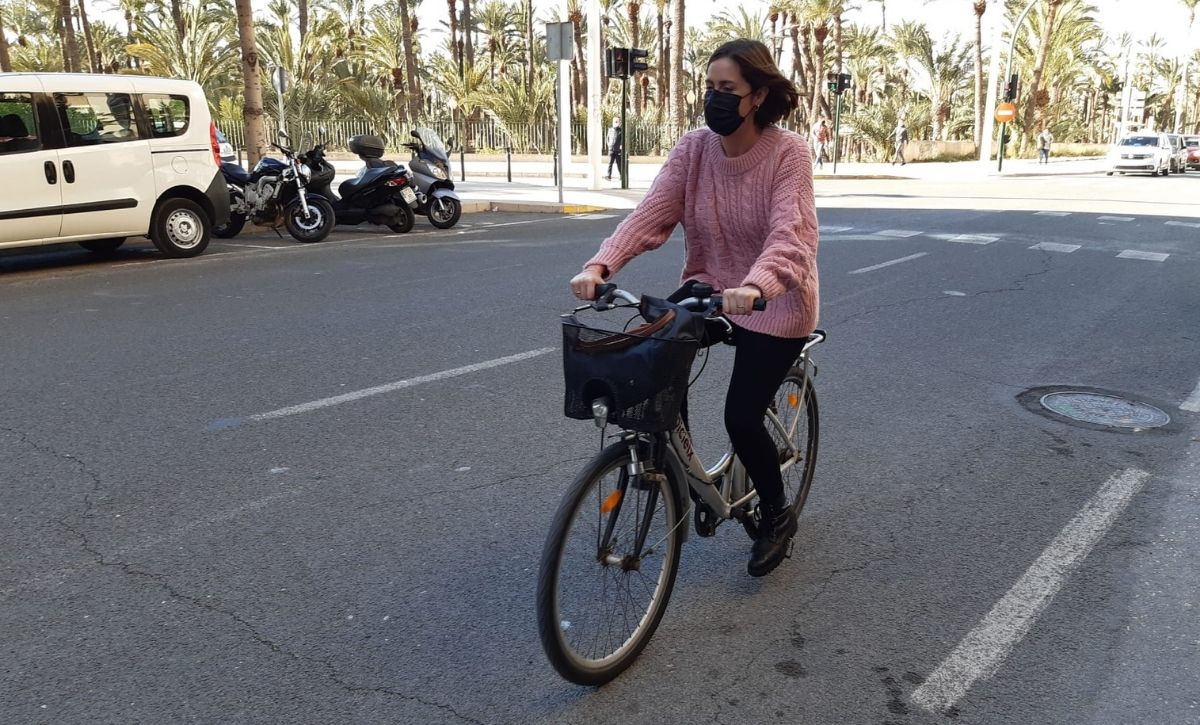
(601, 593)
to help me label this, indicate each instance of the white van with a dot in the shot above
(95, 159)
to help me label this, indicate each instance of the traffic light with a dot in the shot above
(831, 82)
(616, 62)
(843, 82)
(1012, 89)
(635, 65)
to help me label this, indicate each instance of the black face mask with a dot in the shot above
(721, 111)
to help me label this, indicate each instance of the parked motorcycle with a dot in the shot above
(430, 167)
(382, 192)
(273, 190)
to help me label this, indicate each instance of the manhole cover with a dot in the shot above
(1106, 410)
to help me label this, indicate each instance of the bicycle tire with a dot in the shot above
(553, 621)
(796, 486)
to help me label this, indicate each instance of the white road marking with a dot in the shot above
(1052, 213)
(1056, 247)
(1193, 225)
(954, 293)
(973, 239)
(833, 230)
(253, 246)
(1192, 404)
(874, 267)
(1137, 254)
(1116, 218)
(980, 654)
(398, 385)
(592, 216)
(905, 233)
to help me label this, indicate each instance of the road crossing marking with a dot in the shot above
(1192, 404)
(1138, 254)
(973, 239)
(1193, 225)
(1052, 213)
(1115, 218)
(379, 389)
(980, 654)
(903, 233)
(1056, 247)
(833, 230)
(592, 216)
(874, 267)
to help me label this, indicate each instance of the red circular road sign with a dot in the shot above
(1006, 112)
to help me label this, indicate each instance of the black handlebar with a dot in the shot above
(605, 292)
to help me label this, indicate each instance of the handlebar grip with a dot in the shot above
(760, 304)
(604, 289)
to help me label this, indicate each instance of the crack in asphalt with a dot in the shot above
(203, 603)
(508, 479)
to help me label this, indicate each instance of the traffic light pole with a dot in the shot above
(1003, 139)
(837, 127)
(1012, 46)
(624, 135)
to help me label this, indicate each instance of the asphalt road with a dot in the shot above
(172, 554)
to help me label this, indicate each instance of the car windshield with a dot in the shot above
(432, 141)
(1192, 142)
(1140, 141)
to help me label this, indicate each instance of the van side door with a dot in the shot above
(31, 206)
(109, 186)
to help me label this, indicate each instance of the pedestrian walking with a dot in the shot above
(823, 135)
(1044, 141)
(899, 138)
(756, 179)
(616, 144)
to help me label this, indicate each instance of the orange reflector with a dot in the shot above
(610, 501)
(793, 400)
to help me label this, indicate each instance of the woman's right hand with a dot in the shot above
(583, 285)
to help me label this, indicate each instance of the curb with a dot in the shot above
(529, 207)
(864, 177)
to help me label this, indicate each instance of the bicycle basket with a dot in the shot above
(643, 371)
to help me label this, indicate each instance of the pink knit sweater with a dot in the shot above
(749, 220)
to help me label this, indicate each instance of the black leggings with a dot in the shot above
(760, 364)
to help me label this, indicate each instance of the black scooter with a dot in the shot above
(430, 166)
(382, 192)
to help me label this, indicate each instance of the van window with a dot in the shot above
(96, 118)
(169, 115)
(18, 124)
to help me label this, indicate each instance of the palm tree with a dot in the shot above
(497, 21)
(5, 58)
(69, 48)
(407, 32)
(634, 9)
(205, 54)
(946, 68)
(662, 64)
(740, 24)
(980, 7)
(93, 60)
(678, 115)
(1034, 105)
(452, 6)
(819, 13)
(1181, 89)
(252, 110)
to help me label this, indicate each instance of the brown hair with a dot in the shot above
(760, 71)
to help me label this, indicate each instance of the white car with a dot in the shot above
(1141, 153)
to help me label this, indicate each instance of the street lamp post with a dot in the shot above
(1012, 45)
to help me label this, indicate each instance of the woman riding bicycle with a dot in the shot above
(743, 190)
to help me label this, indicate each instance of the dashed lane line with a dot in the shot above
(1052, 213)
(1146, 256)
(981, 653)
(1193, 225)
(1115, 218)
(834, 230)
(973, 239)
(901, 233)
(1056, 247)
(874, 267)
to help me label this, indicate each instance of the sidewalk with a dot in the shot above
(486, 187)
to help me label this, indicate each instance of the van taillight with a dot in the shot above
(216, 146)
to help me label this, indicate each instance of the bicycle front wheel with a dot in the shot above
(607, 568)
(793, 422)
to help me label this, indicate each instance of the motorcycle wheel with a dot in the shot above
(444, 211)
(233, 227)
(405, 220)
(316, 227)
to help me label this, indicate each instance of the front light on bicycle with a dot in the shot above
(600, 412)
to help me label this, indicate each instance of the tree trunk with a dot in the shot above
(410, 64)
(5, 59)
(529, 75)
(252, 110)
(452, 6)
(678, 114)
(69, 47)
(660, 70)
(177, 16)
(1034, 112)
(980, 7)
(635, 38)
(837, 42)
(302, 16)
(820, 32)
(93, 59)
(468, 38)
(129, 60)
(579, 63)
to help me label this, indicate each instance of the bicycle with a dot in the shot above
(590, 624)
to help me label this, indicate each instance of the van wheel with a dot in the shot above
(179, 228)
(102, 246)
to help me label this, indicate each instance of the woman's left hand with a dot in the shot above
(739, 300)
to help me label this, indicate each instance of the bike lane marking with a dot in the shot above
(980, 654)
(377, 390)
(881, 265)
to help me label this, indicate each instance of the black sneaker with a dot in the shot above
(774, 543)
